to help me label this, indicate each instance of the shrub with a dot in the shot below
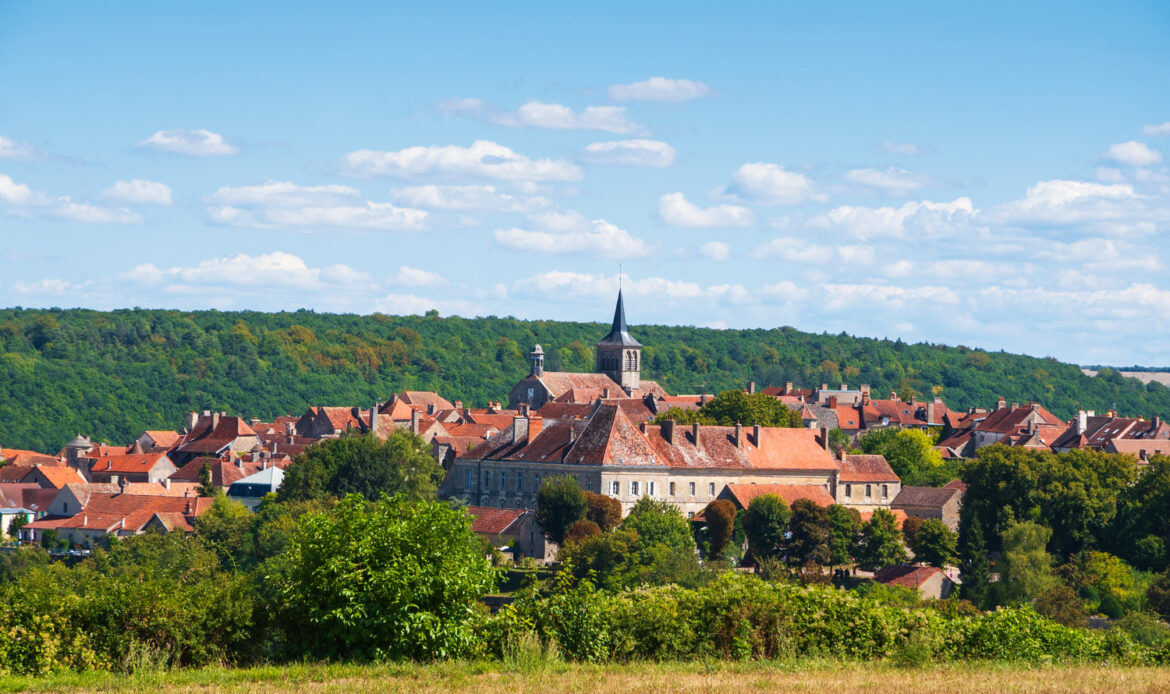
(1062, 605)
(581, 530)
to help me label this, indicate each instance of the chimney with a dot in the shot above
(214, 420)
(458, 404)
(605, 394)
(122, 484)
(738, 435)
(893, 396)
(930, 411)
(751, 388)
(1082, 422)
(824, 386)
(166, 483)
(192, 420)
(831, 402)
(374, 419)
(414, 421)
(1015, 405)
(113, 479)
(704, 399)
(523, 409)
(787, 387)
(254, 421)
(520, 429)
(756, 436)
(535, 424)
(289, 428)
(865, 391)
(695, 436)
(825, 437)
(668, 431)
(1001, 403)
(844, 386)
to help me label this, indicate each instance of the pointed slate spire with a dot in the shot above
(619, 334)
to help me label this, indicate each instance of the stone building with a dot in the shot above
(617, 373)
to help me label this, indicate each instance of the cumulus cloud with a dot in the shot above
(928, 218)
(1133, 153)
(139, 192)
(602, 239)
(630, 153)
(468, 197)
(276, 269)
(906, 149)
(414, 277)
(1065, 202)
(483, 159)
(715, 250)
(659, 89)
(414, 305)
(856, 296)
(195, 143)
(569, 220)
(1161, 129)
(675, 210)
(46, 287)
(277, 205)
(23, 201)
(14, 149)
(892, 179)
(771, 184)
(537, 114)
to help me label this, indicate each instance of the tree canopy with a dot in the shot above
(364, 464)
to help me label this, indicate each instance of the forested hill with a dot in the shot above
(113, 374)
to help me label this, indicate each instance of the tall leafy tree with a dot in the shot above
(560, 502)
(659, 523)
(844, 533)
(364, 464)
(720, 515)
(603, 510)
(881, 542)
(809, 531)
(935, 544)
(766, 523)
(1142, 527)
(1027, 566)
(976, 569)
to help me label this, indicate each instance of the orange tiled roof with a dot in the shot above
(59, 476)
(494, 521)
(866, 468)
(128, 463)
(744, 494)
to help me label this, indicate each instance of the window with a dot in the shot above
(711, 489)
(487, 479)
(848, 490)
(651, 488)
(691, 514)
(519, 481)
(692, 488)
(868, 493)
(672, 488)
(615, 488)
(634, 488)
(64, 507)
(503, 480)
(468, 477)
(885, 491)
(536, 483)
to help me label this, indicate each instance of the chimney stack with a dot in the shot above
(930, 411)
(668, 431)
(738, 435)
(214, 420)
(1082, 422)
(414, 421)
(520, 429)
(374, 419)
(756, 436)
(113, 479)
(825, 437)
(704, 399)
(289, 428)
(824, 386)
(751, 388)
(535, 424)
(787, 387)
(192, 420)
(166, 483)
(844, 386)
(695, 436)
(1001, 403)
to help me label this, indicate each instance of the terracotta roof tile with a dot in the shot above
(494, 521)
(744, 494)
(866, 468)
(906, 575)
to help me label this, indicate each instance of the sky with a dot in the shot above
(993, 175)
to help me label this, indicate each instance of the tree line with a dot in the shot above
(113, 374)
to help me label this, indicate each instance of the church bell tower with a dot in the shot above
(619, 355)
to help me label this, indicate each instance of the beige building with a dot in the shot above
(866, 482)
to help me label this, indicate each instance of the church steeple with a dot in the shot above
(619, 355)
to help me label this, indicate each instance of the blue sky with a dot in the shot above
(994, 176)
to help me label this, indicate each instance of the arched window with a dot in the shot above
(631, 361)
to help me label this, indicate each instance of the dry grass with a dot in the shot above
(804, 676)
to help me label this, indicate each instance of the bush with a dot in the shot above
(1062, 605)
(1144, 629)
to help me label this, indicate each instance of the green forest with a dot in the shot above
(111, 375)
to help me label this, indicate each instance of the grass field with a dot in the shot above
(803, 676)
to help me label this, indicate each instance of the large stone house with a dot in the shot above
(610, 454)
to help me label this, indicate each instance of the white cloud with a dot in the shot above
(570, 220)
(603, 239)
(484, 159)
(586, 286)
(856, 255)
(857, 297)
(92, 214)
(1064, 202)
(1133, 153)
(899, 268)
(537, 114)
(932, 219)
(892, 179)
(1108, 174)
(783, 291)
(46, 287)
(414, 277)
(794, 249)
(411, 304)
(276, 269)
(276, 205)
(196, 143)
(468, 197)
(139, 191)
(659, 89)
(1157, 130)
(906, 149)
(284, 194)
(771, 184)
(14, 149)
(715, 250)
(630, 153)
(468, 105)
(675, 210)
(13, 192)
